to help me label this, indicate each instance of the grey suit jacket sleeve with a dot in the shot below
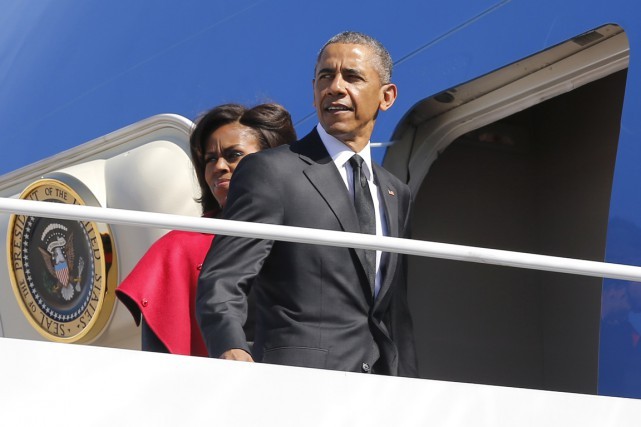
(402, 326)
(233, 263)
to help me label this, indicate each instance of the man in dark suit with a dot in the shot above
(318, 306)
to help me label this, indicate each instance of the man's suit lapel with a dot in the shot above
(324, 176)
(389, 200)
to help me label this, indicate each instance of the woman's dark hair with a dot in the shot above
(271, 123)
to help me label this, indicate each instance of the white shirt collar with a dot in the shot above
(341, 153)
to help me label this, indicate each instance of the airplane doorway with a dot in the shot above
(536, 179)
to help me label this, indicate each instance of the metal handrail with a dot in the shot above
(323, 237)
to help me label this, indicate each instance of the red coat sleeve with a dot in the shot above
(162, 286)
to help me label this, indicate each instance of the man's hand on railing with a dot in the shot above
(236, 354)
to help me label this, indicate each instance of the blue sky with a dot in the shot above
(71, 71)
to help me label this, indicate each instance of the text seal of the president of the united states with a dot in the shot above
(59, 268)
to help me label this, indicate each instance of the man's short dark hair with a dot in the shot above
(383, 61)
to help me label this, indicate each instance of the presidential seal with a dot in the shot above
(59, 268)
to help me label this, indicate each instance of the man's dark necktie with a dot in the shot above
(365, 212)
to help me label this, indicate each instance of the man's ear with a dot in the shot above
(389, 92)
(314, 92)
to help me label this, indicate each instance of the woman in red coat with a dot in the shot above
(160, 291)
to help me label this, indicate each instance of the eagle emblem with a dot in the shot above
(59, 257)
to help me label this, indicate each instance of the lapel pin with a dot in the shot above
(390, 192)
